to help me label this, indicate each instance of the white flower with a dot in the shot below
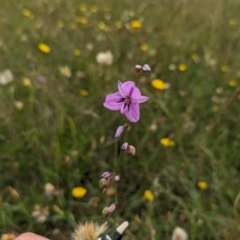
(50, 190)
(40, 213)
(89, 231)
(65, 71)
(19, 105)
(179, 234)
(6, 77)
(105, 58)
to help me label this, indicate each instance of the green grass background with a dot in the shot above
(57, 123)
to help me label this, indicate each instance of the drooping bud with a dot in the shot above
(108, 210)
(146, 68)
(124, 146)
(112, 208)
(119, 131)
(138, 68)
(105, 211)
(106, 175)
(103, 183)
(131, 149)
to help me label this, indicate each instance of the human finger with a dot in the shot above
(30, 236)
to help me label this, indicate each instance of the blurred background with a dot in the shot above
(58, 61)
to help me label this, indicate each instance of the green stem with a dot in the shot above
(138, 75)
(117, 168)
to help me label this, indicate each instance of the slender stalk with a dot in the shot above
(116, 196)
(138, 75)
(117, 169)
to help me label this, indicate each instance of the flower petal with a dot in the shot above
(133, 113)
(113, 101)
(140, 99)
(121, 89)
(127, 86)
(124, 108)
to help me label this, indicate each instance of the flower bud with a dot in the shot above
(112, 208)
(131, 149)
(103, 183)
(146, 68)
(105, 211)
(124, 146)
(106, 175)
(119, 131)
(138, 68)
(117, 178)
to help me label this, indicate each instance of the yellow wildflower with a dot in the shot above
(148, 195)
(182, 67)
(202, 185)
(27, 13)
(82, 20)
(76, 52)
(79, 192)
(83, 8)
(159, 84)
(43, 47)
(26, 82)
(94, 8)
(167, 142)
(136, 24)
(232, 21)
(224, 68)
(144, 47)
(84, 92)
(232, 83)
(101, 25)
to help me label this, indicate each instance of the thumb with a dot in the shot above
(30, 236)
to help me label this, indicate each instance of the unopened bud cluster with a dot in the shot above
(108, 178)
(108, 210)
(129, 148)
(145, 68)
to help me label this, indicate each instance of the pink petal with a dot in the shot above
(133, 114)
(146, 68)
(127, 86)
(135, 93)
(122, 89)
(112, 101)
(124, 108)
(139, 99)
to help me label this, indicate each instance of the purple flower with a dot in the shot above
(127, 100)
